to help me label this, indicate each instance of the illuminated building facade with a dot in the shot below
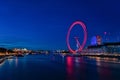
(104, 48)
(24, 50)
(112, 47)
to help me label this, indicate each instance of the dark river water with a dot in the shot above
(49, 67)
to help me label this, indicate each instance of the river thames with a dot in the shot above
(49, 67)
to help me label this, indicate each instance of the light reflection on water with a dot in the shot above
(88, 67)
(70, 71)
(106, 59)
(59, 68)
(16, 61)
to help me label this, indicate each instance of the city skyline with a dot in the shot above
(44, 24)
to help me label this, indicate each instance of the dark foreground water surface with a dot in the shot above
(47, 67)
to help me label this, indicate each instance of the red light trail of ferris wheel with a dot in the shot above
(84, 40)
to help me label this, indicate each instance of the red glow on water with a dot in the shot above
(69, 67)
(69, 62)
(85, 36)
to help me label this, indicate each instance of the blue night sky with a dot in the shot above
(43, 24)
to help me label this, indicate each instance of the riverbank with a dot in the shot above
(4, 57)
(95, 55)
(2, 60)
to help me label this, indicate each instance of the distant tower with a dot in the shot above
(96, 40)
(99, 40)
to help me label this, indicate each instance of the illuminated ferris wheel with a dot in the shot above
(78, 45)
